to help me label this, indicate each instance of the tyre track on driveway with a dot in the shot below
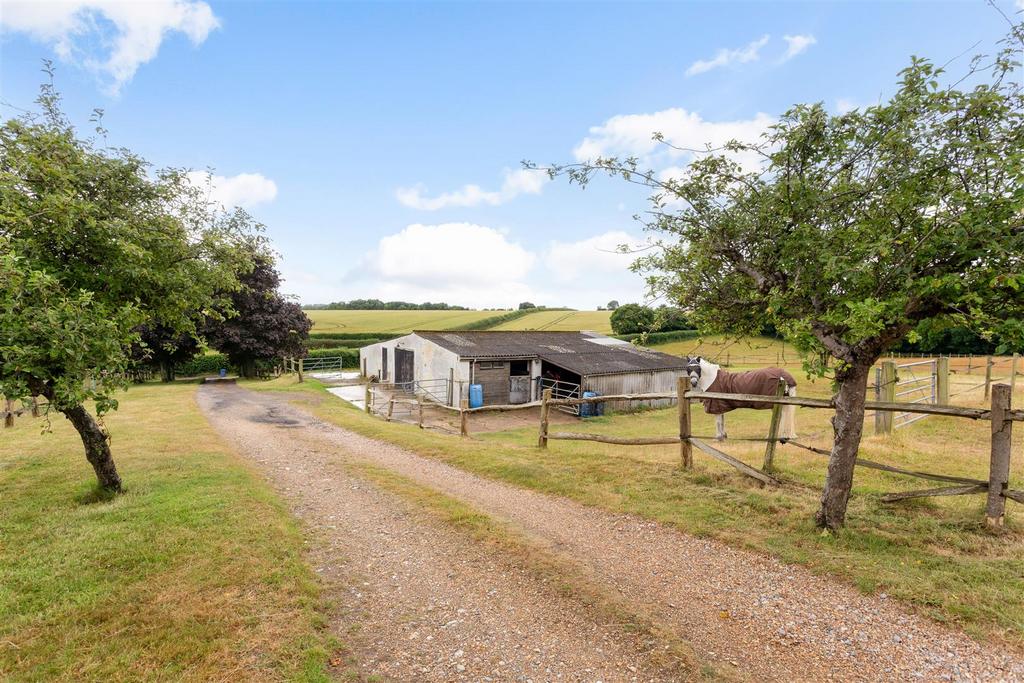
(741, 610)
(430, 604)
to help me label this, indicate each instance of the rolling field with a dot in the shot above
(562, 321)
(393, 321)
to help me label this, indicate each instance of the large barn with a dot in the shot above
(515, 367)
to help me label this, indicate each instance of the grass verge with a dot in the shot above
(195, 573)
(933, 554)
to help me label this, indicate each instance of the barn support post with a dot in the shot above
(942, 380)
(773, 430)
(988, 377)
(364, 368)
(463, 414)
(999, 465)
(685, 430)
(542, 439)
(368, 398)
(886, 393)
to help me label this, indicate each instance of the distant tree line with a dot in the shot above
(378, 305)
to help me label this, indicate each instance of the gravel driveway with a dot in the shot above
(442, 608)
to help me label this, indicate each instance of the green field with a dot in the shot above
(556, 321)
(393, 321)
(195, 573)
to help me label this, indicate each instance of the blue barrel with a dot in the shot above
(476, 395)
(223, 372)
(588, 409)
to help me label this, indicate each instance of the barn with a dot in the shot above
(515, 367)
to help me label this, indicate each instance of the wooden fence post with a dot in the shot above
(420, 404)
(301, 362)
(9, 413)
(35, 406)
(463, 407)
(942, 380)
(369, 398)
(970, 363)
(1013, 373)
(391, 409)
(988, 376)
(999, 465)
(773, 430)
(542, 439)
(685, 431)
(886, 393)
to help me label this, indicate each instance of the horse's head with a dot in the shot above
(693, 370)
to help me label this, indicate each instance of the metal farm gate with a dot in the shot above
(913, 383)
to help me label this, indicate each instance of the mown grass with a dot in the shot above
(561, 321)
(392, 321)
(195, 573)
(935, 554)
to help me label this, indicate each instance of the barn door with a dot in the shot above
(519, 389)
(404, 368)
(384, 364)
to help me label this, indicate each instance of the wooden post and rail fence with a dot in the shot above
(1001, 416)
(9, 411)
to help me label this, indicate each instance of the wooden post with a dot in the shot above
(35, 406)
(999, 465)
(685, 447)
(988, 376)
(942, 380)
(970, 363)
(887, 394)
(9, 413)
(463, 427)
(420, 405)
(364, 368)
(369, 398)
(391, 409)
(301, 362)
(1013, 373)
(773, 430)
(451, 387)
(542, 439)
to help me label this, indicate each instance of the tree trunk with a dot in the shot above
(97, 448)
(247, 368)
(847, 425)
(167, 371)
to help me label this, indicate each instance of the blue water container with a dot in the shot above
(476, 395)
(223, 372)
(588, 409)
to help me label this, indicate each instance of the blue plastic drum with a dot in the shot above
(476, 395)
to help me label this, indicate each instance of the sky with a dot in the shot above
(382, 143)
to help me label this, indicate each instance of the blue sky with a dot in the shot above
(381, 143)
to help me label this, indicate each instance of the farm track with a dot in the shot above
(744, 613)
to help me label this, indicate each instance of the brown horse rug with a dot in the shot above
(762, 382)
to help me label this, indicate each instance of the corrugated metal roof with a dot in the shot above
(582, 353)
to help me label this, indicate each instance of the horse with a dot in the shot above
(706, 376)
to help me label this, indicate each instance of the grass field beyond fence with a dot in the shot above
(195, 573)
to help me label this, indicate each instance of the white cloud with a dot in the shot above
(517, 182)
(109, 37)
(590, 260)
(797, 44)
(631, 135)
(725, 57)
(244, 189)
(1020, 5)
(844, 105)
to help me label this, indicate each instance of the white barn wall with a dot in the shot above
(431, 361)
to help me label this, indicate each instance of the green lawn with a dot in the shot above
(398, 322)
(195, 573)
(934, 554)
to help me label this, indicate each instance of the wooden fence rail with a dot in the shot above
(1000, 415)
